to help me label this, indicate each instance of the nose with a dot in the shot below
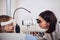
(11, 28)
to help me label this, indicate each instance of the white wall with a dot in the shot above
(35, 6)
(2, 7)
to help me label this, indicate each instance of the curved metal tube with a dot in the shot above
(18, 9)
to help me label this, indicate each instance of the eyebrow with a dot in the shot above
(38, 21)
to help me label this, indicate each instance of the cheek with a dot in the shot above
(6, 28)
(11, 28)
(43, 25)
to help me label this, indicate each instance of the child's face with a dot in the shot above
(9, 28)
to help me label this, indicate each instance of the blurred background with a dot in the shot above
(26, 11)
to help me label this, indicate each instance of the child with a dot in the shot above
(8, 25)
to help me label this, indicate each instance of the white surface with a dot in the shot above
(32, 28)
(12, 36)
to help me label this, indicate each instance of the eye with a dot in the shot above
(10, 24)
(38, 21)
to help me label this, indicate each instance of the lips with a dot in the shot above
(12, 28)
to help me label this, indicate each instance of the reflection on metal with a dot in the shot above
(18, 9)
(8, 7)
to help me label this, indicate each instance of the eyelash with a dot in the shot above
(38, 21)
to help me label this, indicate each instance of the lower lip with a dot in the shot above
(12, 28)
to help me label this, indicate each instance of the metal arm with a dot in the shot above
(18, 9)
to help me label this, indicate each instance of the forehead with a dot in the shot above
(40, 18)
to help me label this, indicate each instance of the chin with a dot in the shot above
(9, 31)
